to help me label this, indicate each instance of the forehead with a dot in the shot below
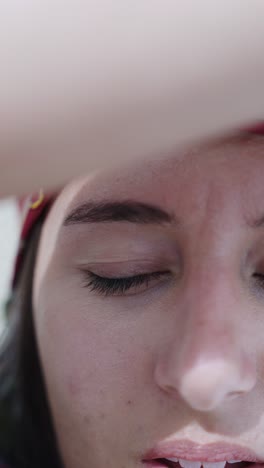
(227, 172)
(195, 172)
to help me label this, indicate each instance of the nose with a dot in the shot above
(208, 384)
(206, 361)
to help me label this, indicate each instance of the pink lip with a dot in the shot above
(187, 450)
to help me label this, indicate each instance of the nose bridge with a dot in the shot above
(209, 313)
(211, 278)
(212, 264)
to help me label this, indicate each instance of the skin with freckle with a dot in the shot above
(180, 356)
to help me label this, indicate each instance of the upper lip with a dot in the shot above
(188, 450)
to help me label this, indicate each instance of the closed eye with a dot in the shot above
(119, 286)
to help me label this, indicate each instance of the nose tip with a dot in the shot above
(208, 384)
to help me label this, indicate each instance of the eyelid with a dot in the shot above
(125, 268)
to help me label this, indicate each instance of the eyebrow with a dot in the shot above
(128, 211)
(114, 211)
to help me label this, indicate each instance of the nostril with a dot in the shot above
(260, 278)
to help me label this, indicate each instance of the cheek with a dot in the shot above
(94, 370)
(92, 358)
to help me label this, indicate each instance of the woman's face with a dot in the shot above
(177, 353)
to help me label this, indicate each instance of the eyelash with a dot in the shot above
(118, 286)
